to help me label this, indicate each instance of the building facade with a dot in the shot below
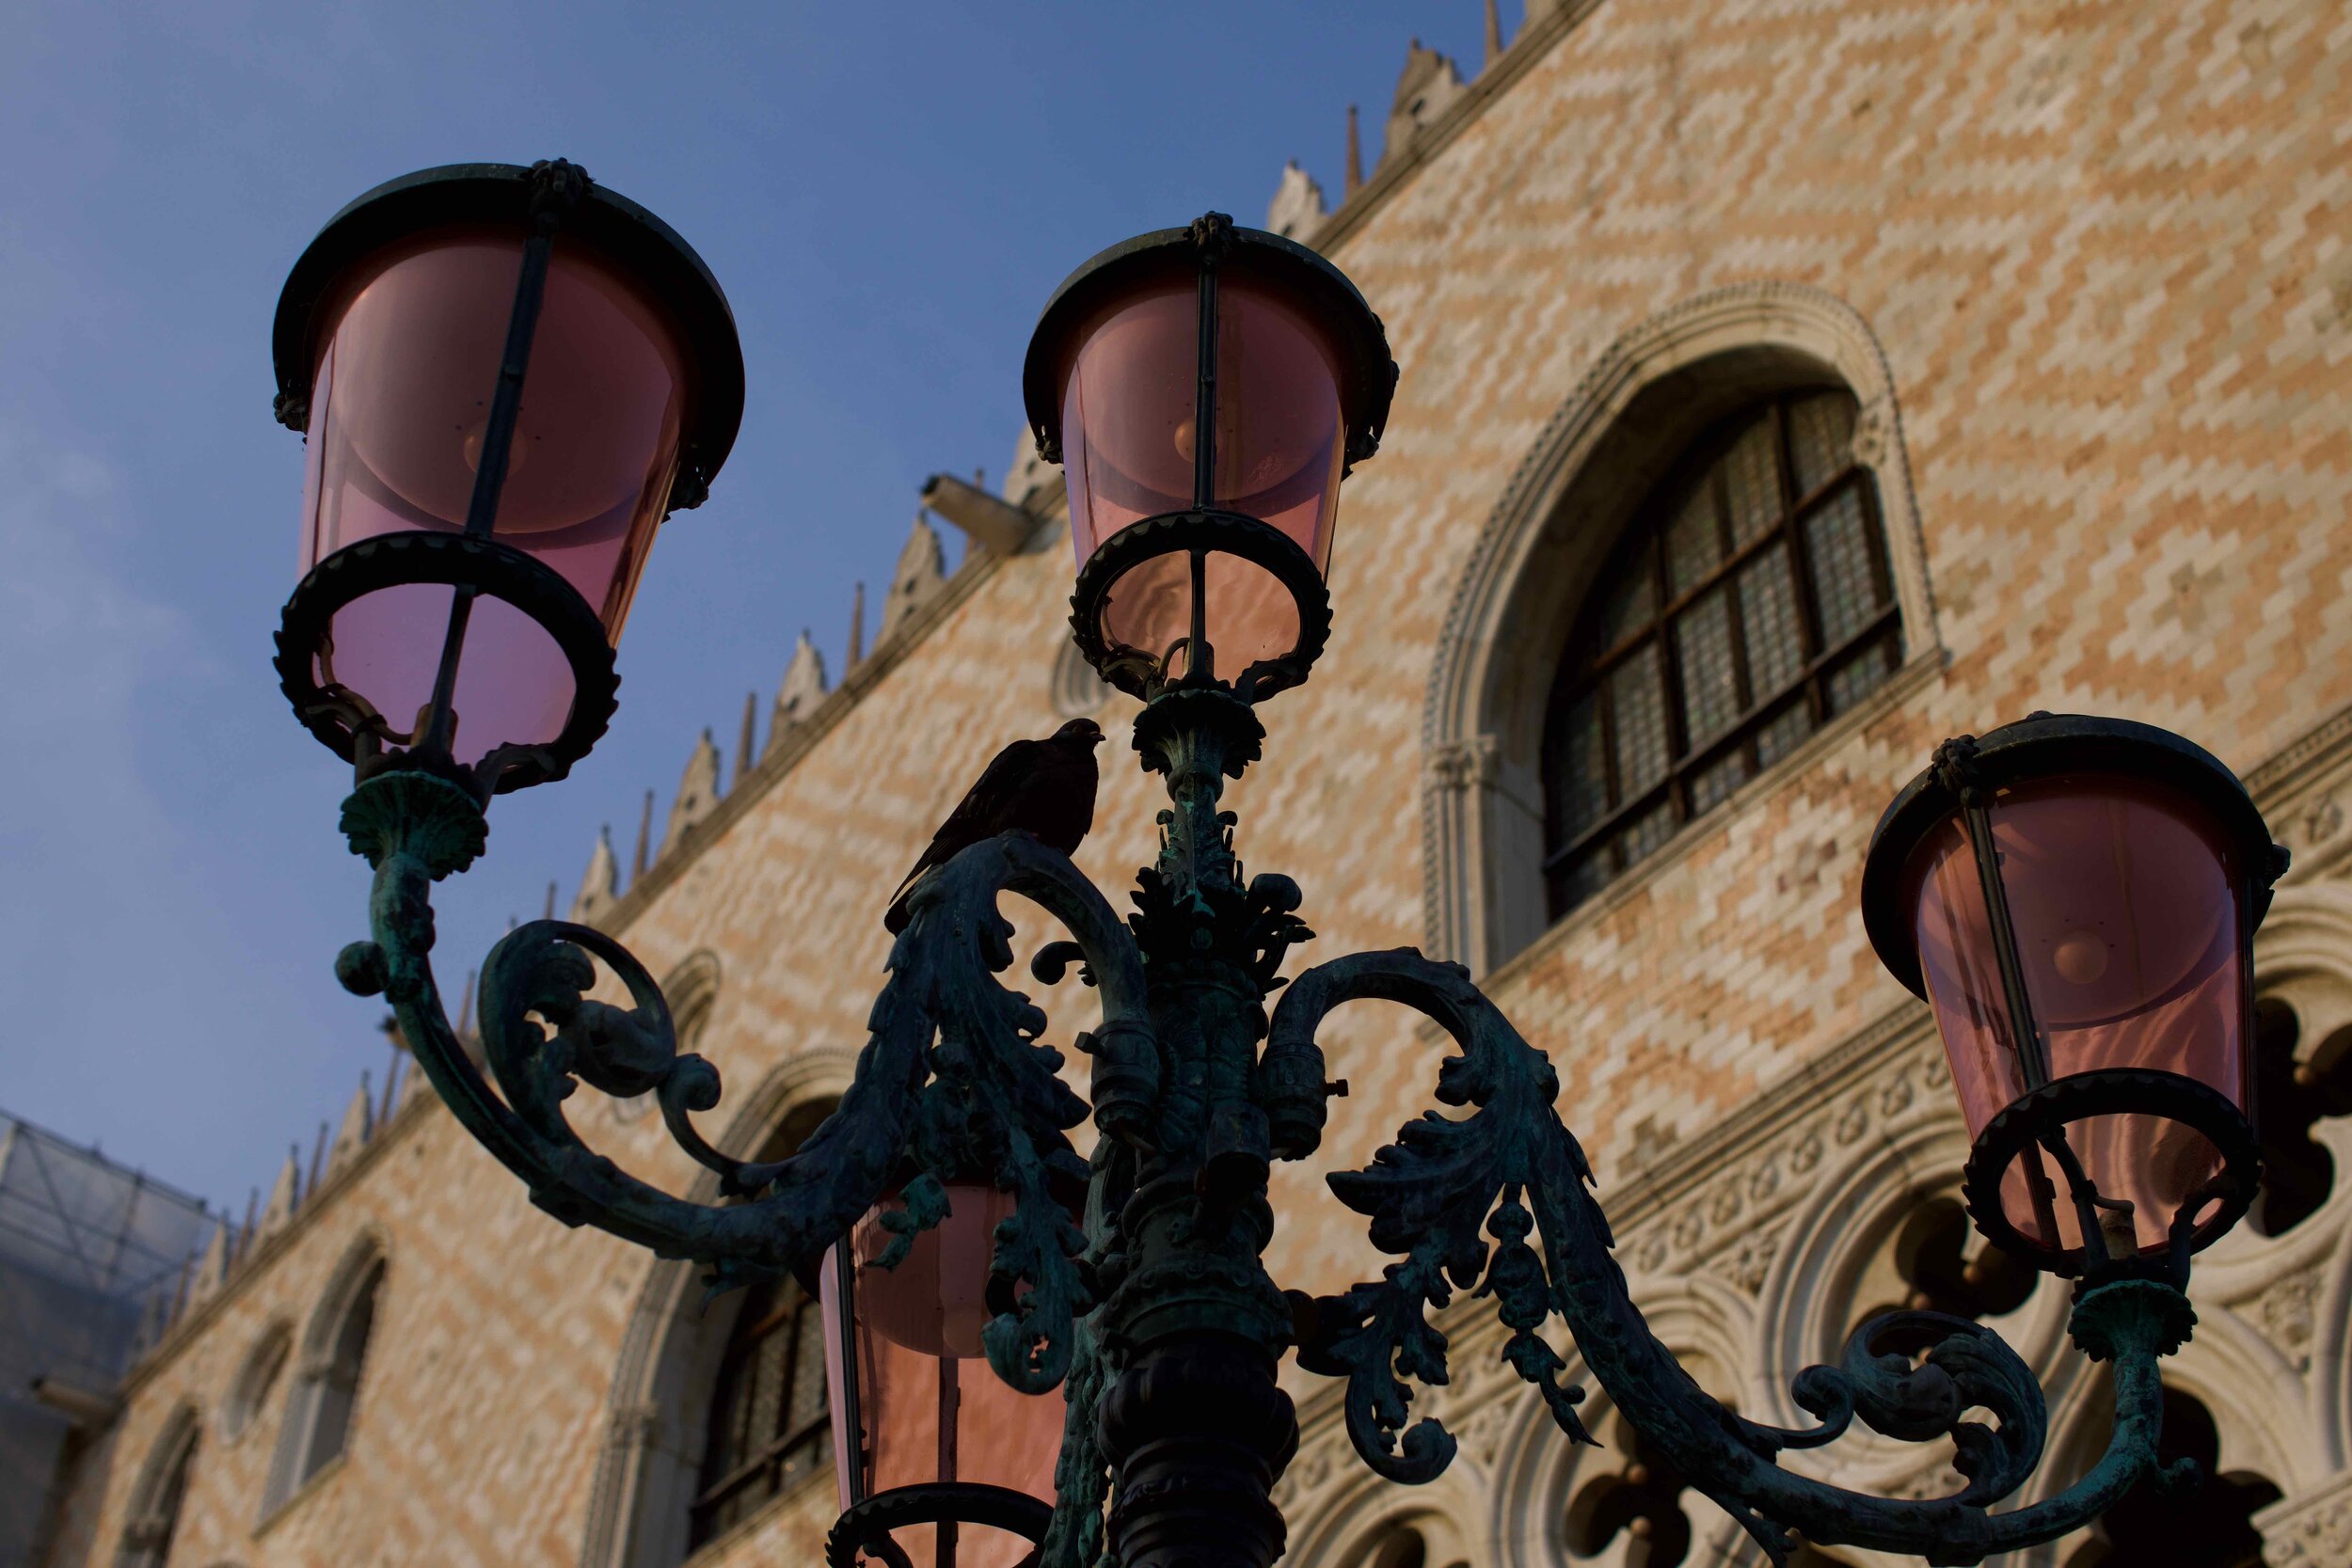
(1786, 385)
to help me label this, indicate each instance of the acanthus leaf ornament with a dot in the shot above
(954, 1076)
(1428, 1193)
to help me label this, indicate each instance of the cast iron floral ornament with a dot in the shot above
(1150, 1306)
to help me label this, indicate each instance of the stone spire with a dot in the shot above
(1296, 211)
(801, 689)
(857, 630)
(697, 792)
(743, 742)
(921, 572)
(1494, 34)
(357, 1126)
(645, 840)
(1355, 159)
(285, 1194)
(600, 885)
(213, 1269)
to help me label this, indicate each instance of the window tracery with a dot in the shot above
(1751, 601)
(2299, 1172)
(1935, 1261)
(2209, 1524)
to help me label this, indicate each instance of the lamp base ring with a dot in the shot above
(347, 725)
(2044, 1113)
(867, 1524)
(1139, 672)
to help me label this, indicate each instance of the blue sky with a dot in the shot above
(887, 191)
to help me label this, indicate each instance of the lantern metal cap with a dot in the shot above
(641, 244)
(2040, 745)
(1367, 374)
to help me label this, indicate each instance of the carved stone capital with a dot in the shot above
(1456, 765)
(2314, 1530)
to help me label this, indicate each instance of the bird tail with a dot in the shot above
(896, 917)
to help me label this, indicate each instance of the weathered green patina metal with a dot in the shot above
(1157, 1317)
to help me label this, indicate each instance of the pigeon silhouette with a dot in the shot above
(1042, 787)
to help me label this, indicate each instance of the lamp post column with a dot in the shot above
(1194, 1424)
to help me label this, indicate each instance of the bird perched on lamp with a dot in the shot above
(1045, 788)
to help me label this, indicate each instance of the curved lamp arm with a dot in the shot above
(1512, 1167)
(953, 1078)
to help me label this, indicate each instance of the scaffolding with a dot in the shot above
(94, 1258)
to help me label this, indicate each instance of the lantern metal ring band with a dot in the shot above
(347, 724)
(1144, 672)
(867, 1526)
(2039, 1119)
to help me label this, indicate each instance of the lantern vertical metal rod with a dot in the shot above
(555, 186)
(1956, 760)
(851, 1465)
(1199, 658)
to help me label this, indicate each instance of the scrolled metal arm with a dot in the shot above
(1511, 1167)
(953, 1079)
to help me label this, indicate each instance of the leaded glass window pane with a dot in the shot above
(1582, 768)
(1649, 832)
(768, 1412)
(1717, 780)
(1693, 542)
(1769, 622)
(1751, 483)
(1844, 580)
(1711, 682)
(1780, 736)
(1632, 604)
(1766, 535)
(1637, 692)
(1858, 677)
(1821, 438)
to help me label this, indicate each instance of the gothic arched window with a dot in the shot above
(317, 1424)
(768, 1426)
(1750, 602)
(155, 1512)
(769, 1420)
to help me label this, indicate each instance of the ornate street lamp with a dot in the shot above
(507, 378)
(2076, 897)
(1206, 388)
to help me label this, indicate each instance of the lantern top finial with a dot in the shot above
(1368, 373)
(456, 195)
(2041, 746)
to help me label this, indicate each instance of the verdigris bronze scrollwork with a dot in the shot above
(1512, 1168)
(955, 1077)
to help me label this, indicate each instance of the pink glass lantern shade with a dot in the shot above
(393, 335)
(2107, 1004)
(927, 1411)
(1294, 388)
